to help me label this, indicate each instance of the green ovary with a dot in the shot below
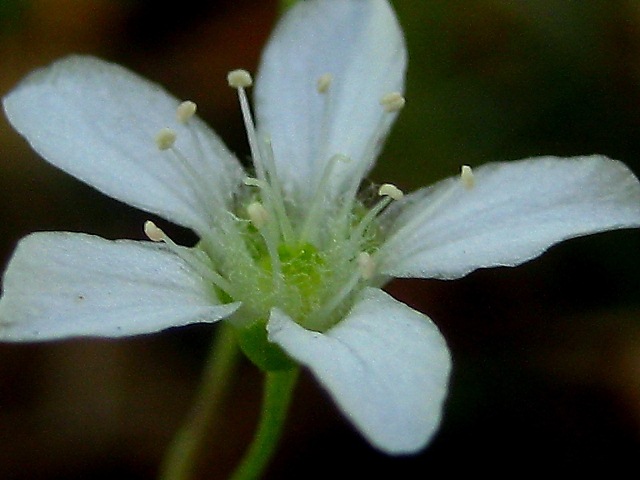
(304, 279)
(314, 282)
(301, 267)
(307, 279)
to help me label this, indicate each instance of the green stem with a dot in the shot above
(182, 459)
(276, 399)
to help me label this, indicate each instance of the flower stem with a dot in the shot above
(184, 454)
(277, 396)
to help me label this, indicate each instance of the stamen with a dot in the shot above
(239, 78)
(390, 190)
(274, 208)
(390, 193)
(190, 257)
(258, 215)
(466, 177)
(323, 86)
(153, 232)
(263, 161)
(165, 138)
(188, 163)
(324, 83)
(203, 191)
(367, 265)
(277, 191)
(308, 230)
(392, 102)
(185, 111)
(411, 228)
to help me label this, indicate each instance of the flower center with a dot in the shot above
(307, 257)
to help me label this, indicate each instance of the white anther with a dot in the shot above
(389, 190)
(258, 215)
(154, 233)
(466, 177)
(239, 79)
(366, 265)
(392, 102)
(324, 83)
(185, 111)
(165, 138)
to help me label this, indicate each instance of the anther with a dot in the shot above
(165, 138)
(466, 177)
(392, 102)
(239, 79)
(258, 215)
(185, 111)
(324, 83)
(153, 232)
(389, 190)
(366, 265)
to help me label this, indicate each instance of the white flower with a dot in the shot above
(292, 257)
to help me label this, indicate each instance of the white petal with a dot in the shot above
(361, 45)
(514, 212)
(98, 122)
(386, 365)
(60, 285)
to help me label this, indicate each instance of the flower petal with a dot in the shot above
(60, 285)
(361, 45)
(98, 122)
(386, 365)
(514, 212)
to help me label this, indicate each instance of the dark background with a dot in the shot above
(546, 356)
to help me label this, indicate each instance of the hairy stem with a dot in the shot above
(279, 385)
(182, 458)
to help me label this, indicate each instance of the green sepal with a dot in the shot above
(265, 355)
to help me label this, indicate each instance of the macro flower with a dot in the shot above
(293, 253)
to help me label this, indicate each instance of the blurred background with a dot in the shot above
(546, 356)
